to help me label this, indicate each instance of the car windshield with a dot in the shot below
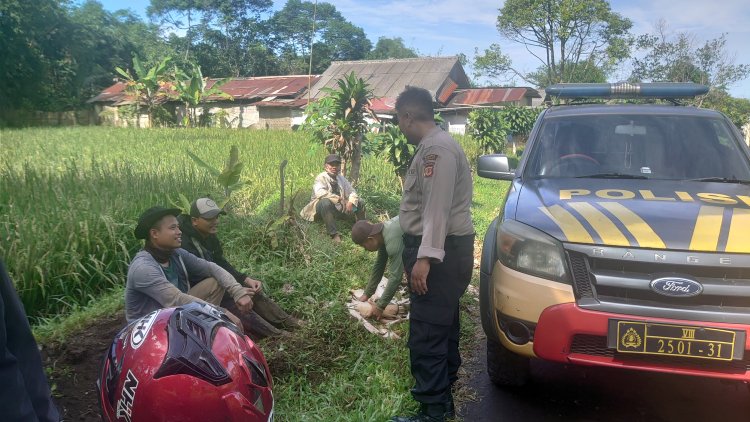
(637, 146)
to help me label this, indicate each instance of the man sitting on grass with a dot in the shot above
(162, 275)
(333, 198)
(387, 239)
(199, 229)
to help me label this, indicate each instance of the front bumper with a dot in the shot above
(567, 333)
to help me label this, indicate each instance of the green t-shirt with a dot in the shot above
(170, 272)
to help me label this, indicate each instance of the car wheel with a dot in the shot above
(505, 368)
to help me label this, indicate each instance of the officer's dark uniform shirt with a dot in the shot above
(24, 393)
(437, 194)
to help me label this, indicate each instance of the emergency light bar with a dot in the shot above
(628, 90)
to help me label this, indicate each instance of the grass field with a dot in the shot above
(69, 199)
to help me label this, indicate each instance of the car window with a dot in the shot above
(644, 146)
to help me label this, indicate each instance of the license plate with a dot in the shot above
(649, 338)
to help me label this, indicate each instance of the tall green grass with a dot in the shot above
(69, 198)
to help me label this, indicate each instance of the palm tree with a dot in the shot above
(342, 121)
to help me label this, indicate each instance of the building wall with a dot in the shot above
(234, 115)
(275, 118)
(455, 121)
(113, 116)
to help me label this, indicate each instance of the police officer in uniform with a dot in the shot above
(24, 392)
(438, 255)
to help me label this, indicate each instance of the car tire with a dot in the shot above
(505, 368)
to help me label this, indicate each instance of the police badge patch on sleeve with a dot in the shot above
(428, 169)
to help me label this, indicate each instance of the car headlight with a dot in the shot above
(531, 251)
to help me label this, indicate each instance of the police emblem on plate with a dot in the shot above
(631, 339)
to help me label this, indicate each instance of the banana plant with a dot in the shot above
(229, 177)
(192, 90)
(145, 85)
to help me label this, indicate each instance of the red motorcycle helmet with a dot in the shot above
(188, 363)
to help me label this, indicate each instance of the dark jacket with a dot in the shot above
(208, 248)
(24, 392)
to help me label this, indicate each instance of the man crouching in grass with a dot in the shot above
(161, 274)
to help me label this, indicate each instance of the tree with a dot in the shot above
(291, 30)
(192, 90)
(33, 59)
(146, 85)
(338, 121)
(391, 48)
(563, 35)
(488, 127)
(225, 37)
(394, 147)
(737, 109)
(102, 40)
(55, 55)
(679, 58)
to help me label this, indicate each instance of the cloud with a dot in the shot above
(389, 13)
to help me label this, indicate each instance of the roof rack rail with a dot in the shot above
(664, 90)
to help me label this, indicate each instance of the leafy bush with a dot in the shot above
(392, 145)
(487, 126)
(520, 120)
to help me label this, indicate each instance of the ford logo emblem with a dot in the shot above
(676, 287)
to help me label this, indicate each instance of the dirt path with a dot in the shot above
(74, 366)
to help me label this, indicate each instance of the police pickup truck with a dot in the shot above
(624, 240)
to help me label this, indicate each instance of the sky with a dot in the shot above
(450, 27)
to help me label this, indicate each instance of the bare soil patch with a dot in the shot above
(73, 367)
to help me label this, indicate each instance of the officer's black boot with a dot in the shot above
(427, 413)
(450, 409)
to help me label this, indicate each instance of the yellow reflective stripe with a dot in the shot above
(570, 226)
(643, 233)
(707, 229)
(739, 231)
(606, 229)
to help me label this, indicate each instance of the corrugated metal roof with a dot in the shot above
(488, 96)
(383, 105)
(387, 78)
(446, 91)
(265, 86)
(239, 88)
(289, 103)
(113, 93)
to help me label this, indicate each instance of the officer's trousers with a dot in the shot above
(434, 318)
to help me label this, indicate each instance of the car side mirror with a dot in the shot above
(494, 166)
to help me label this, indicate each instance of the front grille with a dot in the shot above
(591, 345)
(617, 282)
(636, 267)
(581, 275)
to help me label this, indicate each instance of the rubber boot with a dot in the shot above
(253, 324)
(272, 312)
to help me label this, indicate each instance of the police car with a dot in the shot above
(624, 240)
